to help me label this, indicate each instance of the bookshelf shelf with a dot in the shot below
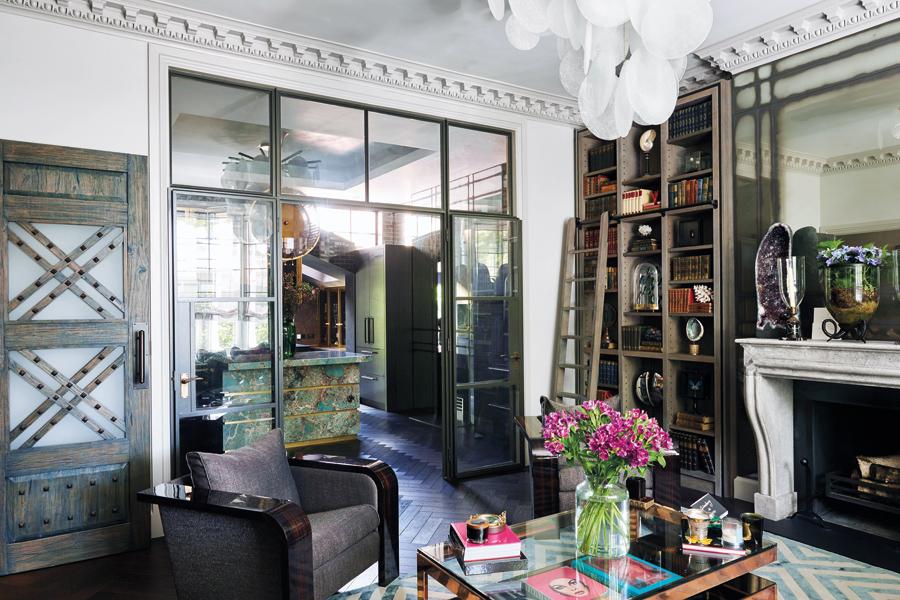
(612, 290)
(609, 351)
(698, 358)
(600, 195)
(689, 139)
(691, 430)
(670, 165)
(690, 249)
(642, 354)
(639, 181)
(691, 175)
(603, 171)
(698, 475)
(607, 386)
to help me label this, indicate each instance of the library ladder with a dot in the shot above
(592, 316)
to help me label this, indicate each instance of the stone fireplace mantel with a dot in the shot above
(770, 366)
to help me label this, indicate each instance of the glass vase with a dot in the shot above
(288, 338)
(851, 292)
(601, 519)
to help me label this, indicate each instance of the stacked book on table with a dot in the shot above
(501, 551)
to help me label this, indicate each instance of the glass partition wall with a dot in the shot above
(342, 247)
(817, 140)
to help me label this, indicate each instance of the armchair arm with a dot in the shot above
(283, 520)
(386, 499)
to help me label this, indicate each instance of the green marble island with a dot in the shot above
(321, 396)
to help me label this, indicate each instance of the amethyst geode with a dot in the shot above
(772, 312)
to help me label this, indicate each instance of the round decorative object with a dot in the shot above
(674, 29)
(571, 73)
(652, 87)
(556, 19)
(645, 287)
(299, 231)
(647, 139)
(648, 389)
(519, 37)
(693, 329)
(607, 13)
(532, 14)
(498, 7)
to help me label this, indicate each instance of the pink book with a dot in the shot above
(505, 544)
(563, 583)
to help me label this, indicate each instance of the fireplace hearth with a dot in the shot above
(772, 369)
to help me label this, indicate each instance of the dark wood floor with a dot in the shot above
(427, 503)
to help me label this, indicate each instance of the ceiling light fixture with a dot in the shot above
(622, 59)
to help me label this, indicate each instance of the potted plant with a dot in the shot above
(608, 445)
(851, 279)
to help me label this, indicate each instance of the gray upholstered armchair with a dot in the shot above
(225, 544)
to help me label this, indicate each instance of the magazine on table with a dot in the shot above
(630, 573)
(563, 583)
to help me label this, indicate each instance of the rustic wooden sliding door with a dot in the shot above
(74, 397)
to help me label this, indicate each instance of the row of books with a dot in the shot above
(690, 192)
(690, 119)
(612, 278)
(694, 421)
(694, 452)
(608, 372)
(601, 156)
(642, 338)
(682, 300)
(687, 268)
(598, 184)
(592, 239)
(640, 200)
(594, 207)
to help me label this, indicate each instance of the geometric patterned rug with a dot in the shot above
(802, 572)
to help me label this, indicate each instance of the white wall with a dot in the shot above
(861, 200)
(75, 86)
(72, 87)
(801, 205)
(548, 165)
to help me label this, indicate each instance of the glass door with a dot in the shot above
(224, 314)
(485, 372)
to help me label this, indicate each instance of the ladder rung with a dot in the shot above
(569, 336)
(572, 366)
(585, 251)
(571, 279)
(572, 395)
(577, 308)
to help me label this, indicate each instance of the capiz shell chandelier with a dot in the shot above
(622, 59)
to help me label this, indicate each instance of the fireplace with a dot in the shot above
(846, 448)
(772, 369)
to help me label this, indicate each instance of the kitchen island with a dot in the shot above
(321, 394)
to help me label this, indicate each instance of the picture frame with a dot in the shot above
(693, 384)
(689, 232)
(636, 577)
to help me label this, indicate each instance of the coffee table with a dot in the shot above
(549, 542)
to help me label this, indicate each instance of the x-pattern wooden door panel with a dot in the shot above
(74, 427)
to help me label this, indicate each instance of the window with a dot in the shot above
(479, 170)
(322, 150)
(220, 136)
(404, 161)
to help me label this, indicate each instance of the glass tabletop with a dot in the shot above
(655, 561)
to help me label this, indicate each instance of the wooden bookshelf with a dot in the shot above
(668, 166)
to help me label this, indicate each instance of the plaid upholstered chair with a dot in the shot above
(254, 524)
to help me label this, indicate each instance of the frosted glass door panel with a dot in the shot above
(59, 272)
(66, 396)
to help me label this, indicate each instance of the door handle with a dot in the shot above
(141, 354)
(185, 381)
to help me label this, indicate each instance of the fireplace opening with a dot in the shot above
(847, 455)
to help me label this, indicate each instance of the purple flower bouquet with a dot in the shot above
(608, 445)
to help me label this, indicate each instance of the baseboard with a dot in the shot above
(745, 487)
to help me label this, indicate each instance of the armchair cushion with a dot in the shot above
(334, 531)
(259, 469)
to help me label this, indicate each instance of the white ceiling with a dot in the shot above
(459, 35)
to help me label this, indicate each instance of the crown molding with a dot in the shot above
(175, 24)
(745, 157)
(799, 31)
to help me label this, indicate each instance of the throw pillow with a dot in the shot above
(259, 469)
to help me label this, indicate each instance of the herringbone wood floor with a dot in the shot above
(427, 502)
